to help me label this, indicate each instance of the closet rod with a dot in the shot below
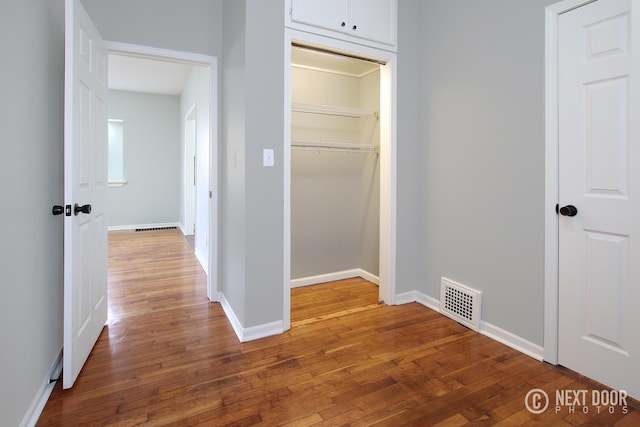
(333, 52)
(334, 146)
(332, 110)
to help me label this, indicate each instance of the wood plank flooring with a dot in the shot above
(314, 303)
(168, 357)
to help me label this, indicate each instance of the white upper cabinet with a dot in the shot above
(370, 22)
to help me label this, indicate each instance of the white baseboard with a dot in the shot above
(135, 226)
(331, 277)
(262, 331)
(254, 332)
(231, 316)
(494, 332)
(202, 259)
(369, 276)
(419, 297)
(40, 400)
(514, 341)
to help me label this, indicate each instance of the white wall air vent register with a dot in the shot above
(460, 303)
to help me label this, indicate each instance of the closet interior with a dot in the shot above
(335, 167)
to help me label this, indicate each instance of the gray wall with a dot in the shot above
(369, 222)
(408, 256)
(482, 155)
(31, 172)
(265, 192)
(152, 166)
(233, 191)
(335, 196)
(185, 25)
(252, 119)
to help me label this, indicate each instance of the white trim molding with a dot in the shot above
(154, 52)
(419, 297)
(487, 329)
(511, 340)
(202, 259)
(332, 277)
(46, 388)
(253, 332)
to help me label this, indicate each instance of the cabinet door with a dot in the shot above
(329, 14)
(373, 19)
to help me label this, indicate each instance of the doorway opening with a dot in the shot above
(335, 180)
(339, 162)
(181, 193)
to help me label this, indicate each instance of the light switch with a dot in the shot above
(268, 158)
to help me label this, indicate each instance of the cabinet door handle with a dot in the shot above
(355, 27)
(343, 24)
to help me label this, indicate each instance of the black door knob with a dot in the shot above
(569, 210)
(57, 210)
(85, 209)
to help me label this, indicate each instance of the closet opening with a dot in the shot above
(335, 192)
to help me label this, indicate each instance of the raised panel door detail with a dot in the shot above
(606, 289)
(606, 132)
(607, 37)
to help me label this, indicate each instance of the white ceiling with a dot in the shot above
(137, 74)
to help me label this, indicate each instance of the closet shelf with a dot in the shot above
(332, 110)
(334, 146)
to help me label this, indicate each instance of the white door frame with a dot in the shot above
(212, 63)
(388, 160)
(191, 149)
(552, 165)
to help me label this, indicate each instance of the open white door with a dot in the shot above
(599, 158)
(85, 186)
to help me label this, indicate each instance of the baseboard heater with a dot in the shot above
(156, 228)
(460, 303)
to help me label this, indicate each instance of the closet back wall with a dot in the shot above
(335, 196)
(151, 195)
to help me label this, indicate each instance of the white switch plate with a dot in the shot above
(268, 158)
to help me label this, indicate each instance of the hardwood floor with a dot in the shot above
(168, 357)
(314, 303)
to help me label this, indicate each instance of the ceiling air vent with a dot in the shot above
(460, 303)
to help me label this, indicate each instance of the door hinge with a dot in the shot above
(210, 194)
